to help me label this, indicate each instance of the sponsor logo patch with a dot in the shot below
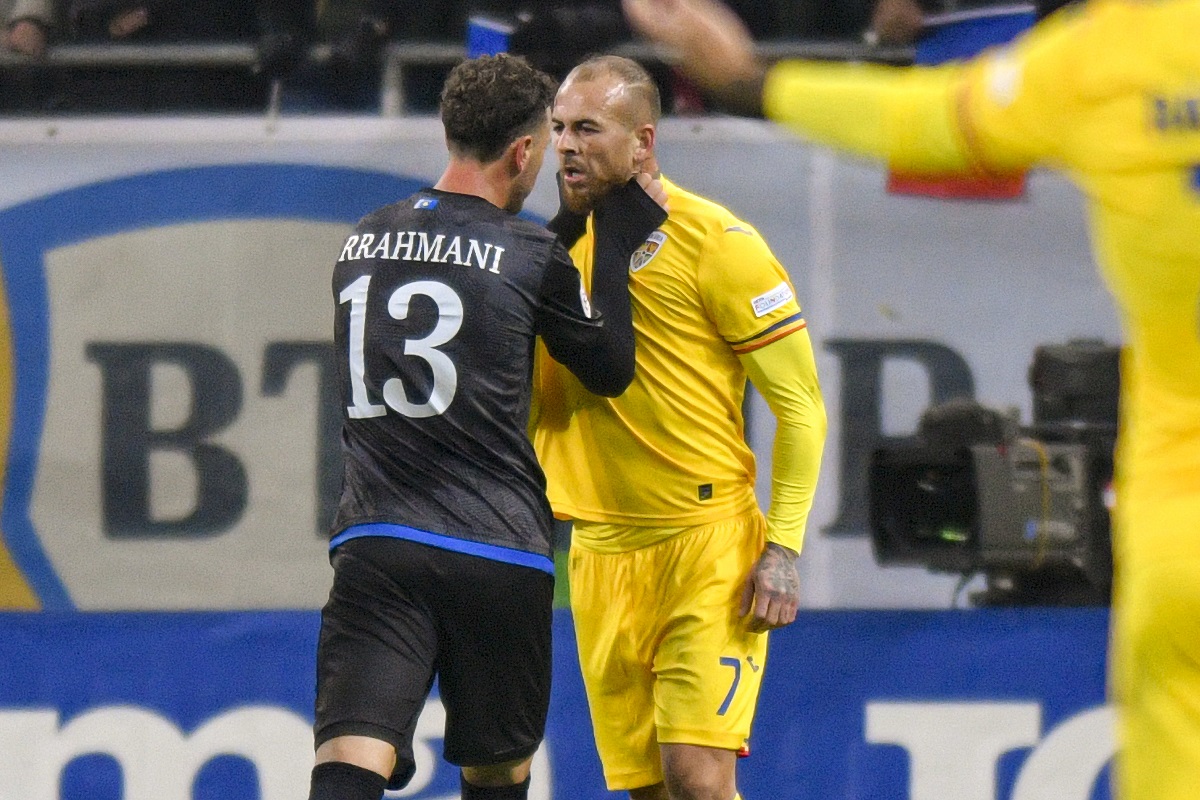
(646, 253)
(773, 299)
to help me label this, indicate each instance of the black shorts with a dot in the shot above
(401, 613)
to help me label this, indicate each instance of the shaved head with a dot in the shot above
(643, 101)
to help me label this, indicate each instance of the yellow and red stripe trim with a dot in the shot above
(772, 334)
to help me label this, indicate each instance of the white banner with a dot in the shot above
(168, 329)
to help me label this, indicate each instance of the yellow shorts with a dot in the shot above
(1156, 681)
(665, 657)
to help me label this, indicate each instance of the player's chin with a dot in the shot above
(578, 200)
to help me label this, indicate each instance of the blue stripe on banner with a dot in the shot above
(944, 704)
(494, 552)
(1196, 178)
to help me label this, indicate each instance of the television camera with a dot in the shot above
(975, 492)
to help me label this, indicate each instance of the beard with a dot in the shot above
(581, 198)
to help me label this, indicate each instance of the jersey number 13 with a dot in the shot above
(395, 397)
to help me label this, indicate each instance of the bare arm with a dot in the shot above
(964, 117)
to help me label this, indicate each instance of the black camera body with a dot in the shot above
(1027, 507)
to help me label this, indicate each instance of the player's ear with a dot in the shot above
(644, 148)
(521, 151)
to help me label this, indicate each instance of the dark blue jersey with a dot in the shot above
(439, 299)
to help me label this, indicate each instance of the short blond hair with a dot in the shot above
(637, 81)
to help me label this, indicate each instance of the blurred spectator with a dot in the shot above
(349, 80)
(900, 22)
(27, 25)
(823, 19)
(358, 43)
(895, 22)
(552, 34)
(555, 36)
(163, 20)
(266, 23)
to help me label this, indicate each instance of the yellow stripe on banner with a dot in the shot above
(15, 592)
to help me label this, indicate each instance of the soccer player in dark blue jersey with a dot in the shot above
(441, 546)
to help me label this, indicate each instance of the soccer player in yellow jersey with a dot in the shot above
(1109, 94)
(675, 575)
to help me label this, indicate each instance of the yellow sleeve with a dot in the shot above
(785, 374)
(1020, 105)
(1003, 111)
(904, 116)
(745, 290)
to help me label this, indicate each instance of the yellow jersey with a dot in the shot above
(671, 451)
(1109, 94)
(1112, 97)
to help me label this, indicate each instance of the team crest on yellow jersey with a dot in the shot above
(646, 253)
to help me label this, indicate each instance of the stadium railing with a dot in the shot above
(398, 57)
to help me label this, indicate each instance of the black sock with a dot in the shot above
(337, 780)
(519, 791)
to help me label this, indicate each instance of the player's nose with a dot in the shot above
(566, 142)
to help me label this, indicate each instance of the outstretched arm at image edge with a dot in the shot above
(907, 117)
